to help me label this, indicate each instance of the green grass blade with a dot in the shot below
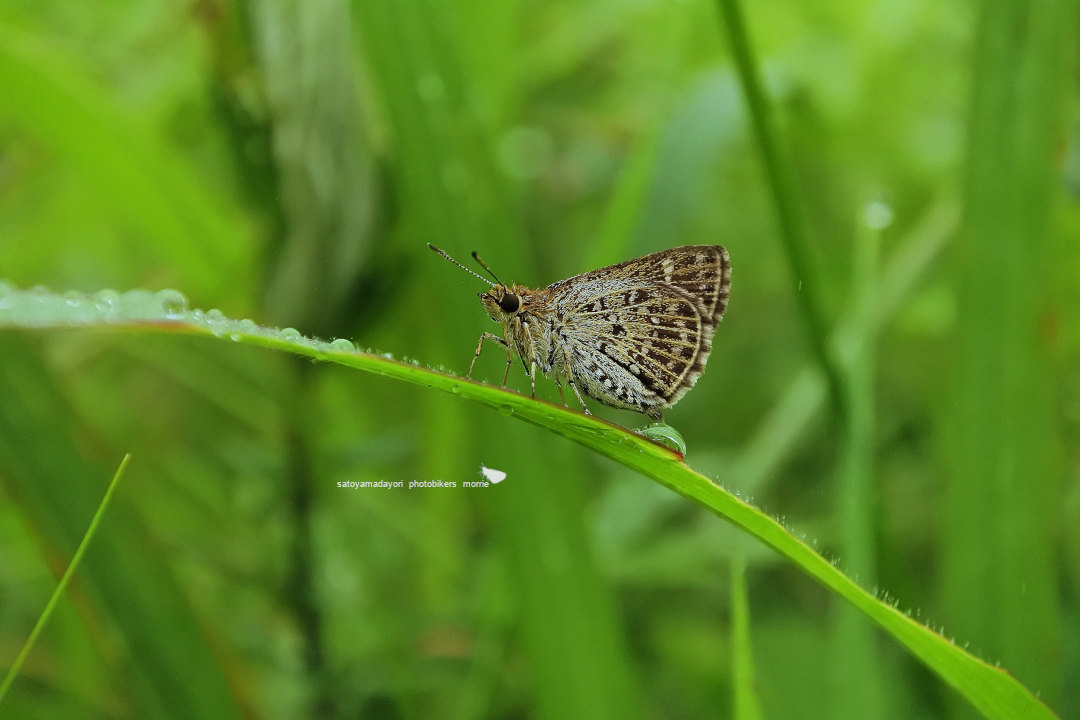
(857, 689)
(171, 667)
(793, 234)
(993, 691)
(747, 704)
(1003, 435)
(76, 559)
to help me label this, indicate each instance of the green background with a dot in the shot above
(288, 161)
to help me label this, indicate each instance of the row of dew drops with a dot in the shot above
(40, 307)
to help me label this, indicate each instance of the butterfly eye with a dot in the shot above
(509, 303)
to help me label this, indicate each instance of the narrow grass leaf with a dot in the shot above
(76, 559)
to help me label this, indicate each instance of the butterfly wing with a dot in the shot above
(641, 331)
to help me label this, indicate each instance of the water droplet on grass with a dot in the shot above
(107, 300)
(139, 305)
(172, 301)
(343, 345)
(216, 321)
(665, 435)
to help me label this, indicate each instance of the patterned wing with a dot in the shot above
(642, 330)
(703, 272)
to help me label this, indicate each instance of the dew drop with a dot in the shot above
(247, 325)
(216, 321)
(172, 301)
(107, 300)
(78, 308)
(342, 345)
(290, 333)
(139, 305)
(664, 434)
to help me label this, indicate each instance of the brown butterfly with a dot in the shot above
(634, 335)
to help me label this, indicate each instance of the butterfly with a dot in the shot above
(634, 335)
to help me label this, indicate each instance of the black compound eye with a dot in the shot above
(509, 303)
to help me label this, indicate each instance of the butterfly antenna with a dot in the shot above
(435, 249)
(481, 262)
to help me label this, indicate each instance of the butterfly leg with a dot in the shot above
(480, 345)
(570, 381)
(577, 393)
(532, 379)
(509, 360)
(562, 398)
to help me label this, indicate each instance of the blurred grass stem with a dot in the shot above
(793, 235)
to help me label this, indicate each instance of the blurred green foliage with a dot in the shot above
(288, 161)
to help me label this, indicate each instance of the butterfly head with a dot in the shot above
(500, 303)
